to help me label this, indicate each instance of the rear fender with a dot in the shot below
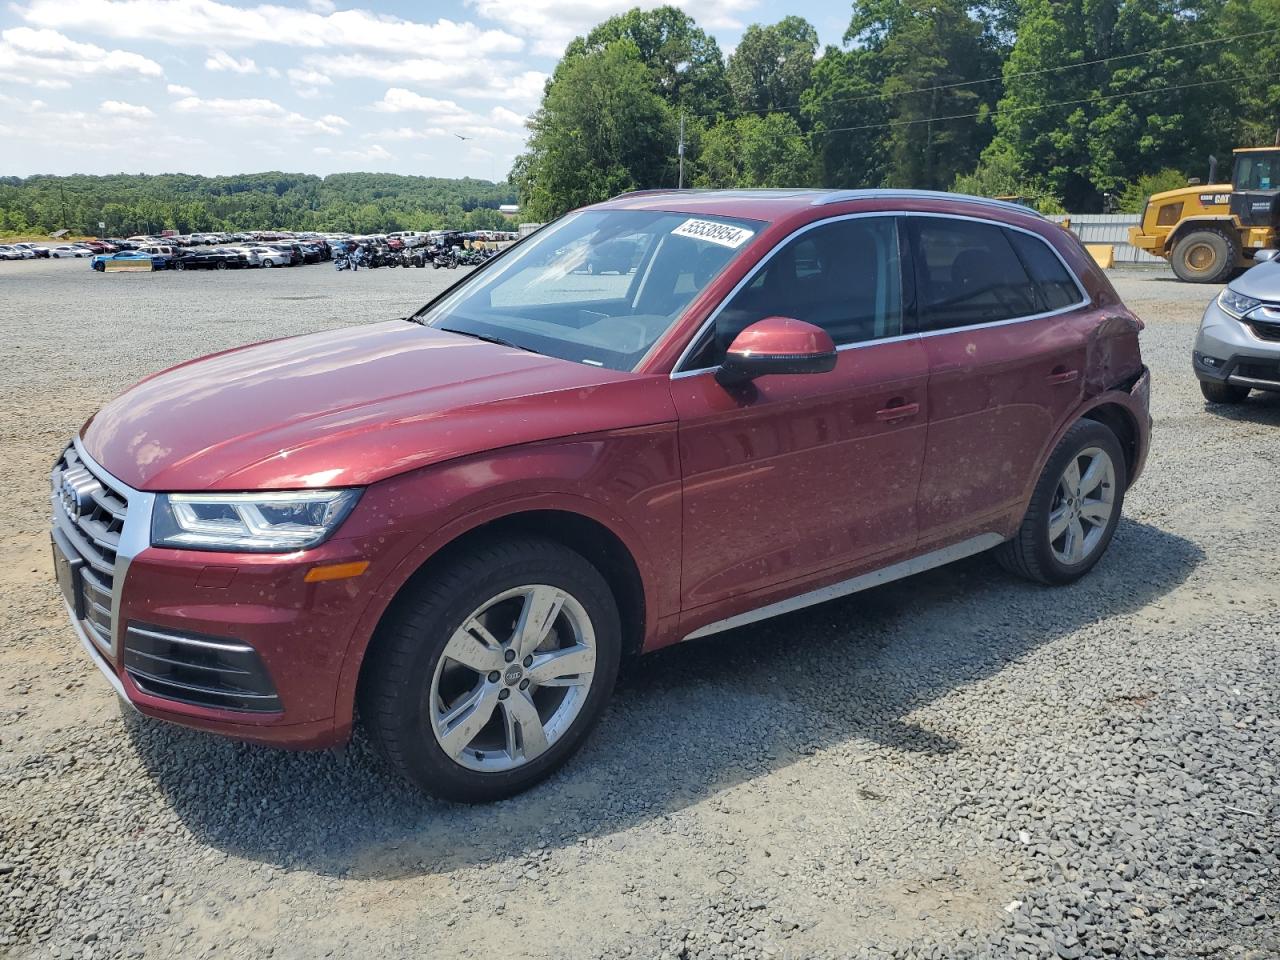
(1133, 398)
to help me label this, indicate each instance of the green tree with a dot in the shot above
(756, 151)
(1136, 194)
(845, 114)
(685, 61)
(929, 58)
(602, 129)
(1251, 117)
(773, 65)
(998, 175)
(1094, 96)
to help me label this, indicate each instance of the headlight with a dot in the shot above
(249, 522)
(1236, 304)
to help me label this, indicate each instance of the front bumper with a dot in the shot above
(1233, 351)
(236, 644)
(1151, 243)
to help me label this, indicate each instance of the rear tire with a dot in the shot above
(462, 729)
(1205, 256)
(1058, 518)
(1226, 393)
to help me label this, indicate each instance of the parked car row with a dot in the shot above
(273, 248)
(22, 251)
(164, 256)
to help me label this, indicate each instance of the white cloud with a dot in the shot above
(112, 130)
(309, 78)
(46, 58)
(308, 82)
(208, 22)
(551, 24)
(478, 78)
(118, 108)
(178, 90)
(222, 62)
(447, 118)
(259, 112)
(373, 154)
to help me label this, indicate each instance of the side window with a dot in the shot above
(844, 276)
(967, 273)
(1054, 286)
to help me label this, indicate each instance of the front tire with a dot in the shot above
(1227, 393)
(490, 673)
(1205, 256)
(1074, 510)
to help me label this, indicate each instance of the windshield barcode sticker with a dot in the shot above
(721, 233)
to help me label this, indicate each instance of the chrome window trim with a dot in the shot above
(677, 373)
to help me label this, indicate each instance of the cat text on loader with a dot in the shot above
(1208, 232)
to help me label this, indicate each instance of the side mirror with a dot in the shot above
(1265, 256)
(776, 345)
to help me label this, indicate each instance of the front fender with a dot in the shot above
(628, 481)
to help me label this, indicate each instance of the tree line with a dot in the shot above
(1071, 104)
(347, 202)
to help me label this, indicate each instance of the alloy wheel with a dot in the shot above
(512, 678)
(1082, 506)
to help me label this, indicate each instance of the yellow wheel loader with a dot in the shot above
(1208, 232)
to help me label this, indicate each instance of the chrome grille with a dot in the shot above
(90, 513)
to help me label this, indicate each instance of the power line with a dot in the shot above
(1036, 106)
(1013, 76)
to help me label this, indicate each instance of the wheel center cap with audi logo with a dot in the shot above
(513, 674)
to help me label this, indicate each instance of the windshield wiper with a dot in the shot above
(488, 339)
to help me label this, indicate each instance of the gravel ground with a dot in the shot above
(959, 765)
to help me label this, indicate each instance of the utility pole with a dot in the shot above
(680, 151)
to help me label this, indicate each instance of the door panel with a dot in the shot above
(999, 384)
(792, 475)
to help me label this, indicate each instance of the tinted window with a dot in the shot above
(1054, 287)
(967, 272)
(844, 276)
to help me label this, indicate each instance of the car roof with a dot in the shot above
(773, 204)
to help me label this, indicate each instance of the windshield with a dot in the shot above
(1257, 171)
(598, 287)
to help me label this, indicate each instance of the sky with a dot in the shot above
(312, 86)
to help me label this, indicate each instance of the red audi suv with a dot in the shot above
(458, 523)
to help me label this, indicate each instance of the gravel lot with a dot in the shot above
(959, 765)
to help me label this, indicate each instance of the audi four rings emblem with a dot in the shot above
(71, 498)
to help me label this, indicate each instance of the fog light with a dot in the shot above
(1207, 361)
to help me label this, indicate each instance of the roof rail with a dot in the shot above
(638, 193)
(840, 196)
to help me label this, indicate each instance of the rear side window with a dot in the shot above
(1054, 286)
(967, 273)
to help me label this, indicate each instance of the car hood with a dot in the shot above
(1262, 282)
(351, 407)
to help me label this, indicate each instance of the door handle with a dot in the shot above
(1062, 375)
(898, 409)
